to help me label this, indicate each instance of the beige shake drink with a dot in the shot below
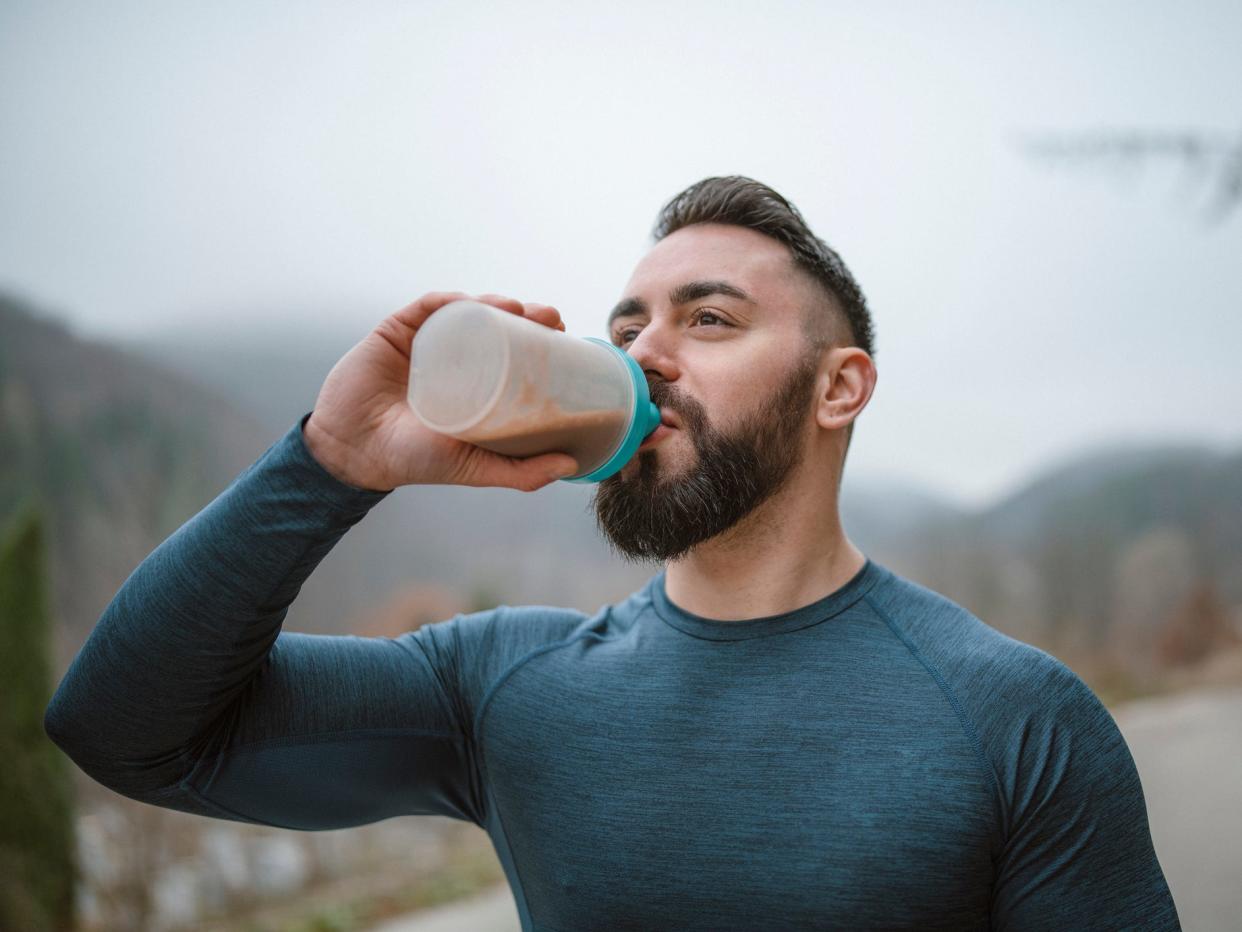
(515, 387)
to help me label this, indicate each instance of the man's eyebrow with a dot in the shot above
(630, 307)
(682, 294)
(692, 291)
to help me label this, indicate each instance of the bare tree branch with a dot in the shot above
(1214, 158)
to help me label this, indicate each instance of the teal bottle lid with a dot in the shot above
(646, 419)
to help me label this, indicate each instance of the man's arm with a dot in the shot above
(187, 695)
(1079, 853)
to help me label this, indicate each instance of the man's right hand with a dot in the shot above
(363, 431)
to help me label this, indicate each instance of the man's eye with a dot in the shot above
(697, 316)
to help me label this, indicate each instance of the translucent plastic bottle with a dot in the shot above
(514, 386)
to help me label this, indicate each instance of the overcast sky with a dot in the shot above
(213, 167)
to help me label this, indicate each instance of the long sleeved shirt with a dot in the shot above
(880, 758)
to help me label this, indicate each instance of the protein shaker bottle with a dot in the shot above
(514, 386)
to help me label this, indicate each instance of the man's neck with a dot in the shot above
(790, 552)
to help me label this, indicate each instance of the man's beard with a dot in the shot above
(645, 518)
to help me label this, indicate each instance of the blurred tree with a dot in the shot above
(1211, 157)
(483, 596)
(38, 860)
(409, 607)
(1198, 628)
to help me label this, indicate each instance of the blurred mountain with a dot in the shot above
(272, 373)
(1128, 557)
(1114, 552)
(120, 452)
(1115, 542)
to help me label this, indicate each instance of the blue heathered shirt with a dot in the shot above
(878, 759)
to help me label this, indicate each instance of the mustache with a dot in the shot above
(666, 395)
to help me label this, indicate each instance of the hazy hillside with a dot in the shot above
(119, 452)
(1100, 556)
(1122, 535)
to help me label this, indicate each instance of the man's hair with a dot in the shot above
(744, 202)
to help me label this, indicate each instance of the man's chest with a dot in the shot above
(720, 806)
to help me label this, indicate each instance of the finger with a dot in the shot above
(544, 314)
(526, 474)
(534, 472)
(415, 313)
(500, 301)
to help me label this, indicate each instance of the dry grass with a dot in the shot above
(355, 904)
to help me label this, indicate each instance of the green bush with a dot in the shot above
(37, 841)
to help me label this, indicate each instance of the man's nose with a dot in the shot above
(654, 349)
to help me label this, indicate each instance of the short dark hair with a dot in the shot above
(744, 202)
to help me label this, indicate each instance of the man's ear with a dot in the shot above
(846, 383)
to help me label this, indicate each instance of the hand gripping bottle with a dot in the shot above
(514, 386)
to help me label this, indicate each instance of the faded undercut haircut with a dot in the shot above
(841, 320)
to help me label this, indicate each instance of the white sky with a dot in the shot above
(216, 167)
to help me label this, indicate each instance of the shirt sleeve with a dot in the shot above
(1078, 853)
(187, 694)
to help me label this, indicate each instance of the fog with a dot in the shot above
(247, 172)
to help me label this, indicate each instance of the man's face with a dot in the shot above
(713, 315)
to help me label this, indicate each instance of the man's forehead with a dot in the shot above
(757, 264)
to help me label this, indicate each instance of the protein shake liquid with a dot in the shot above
(517, 387)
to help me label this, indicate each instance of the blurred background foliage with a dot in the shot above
(38, 857)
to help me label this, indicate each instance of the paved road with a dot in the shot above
(489, 912)
(1188, 749)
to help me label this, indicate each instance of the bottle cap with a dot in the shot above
(646, 419)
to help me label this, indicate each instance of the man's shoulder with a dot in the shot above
(1030, 713)
(993, 673)
(505, 632)
(530, 627)
(483, 645)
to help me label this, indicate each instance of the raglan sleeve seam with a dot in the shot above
(965, 722)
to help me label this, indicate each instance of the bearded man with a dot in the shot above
(775, 732)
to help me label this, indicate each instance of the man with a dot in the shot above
(775, 732)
